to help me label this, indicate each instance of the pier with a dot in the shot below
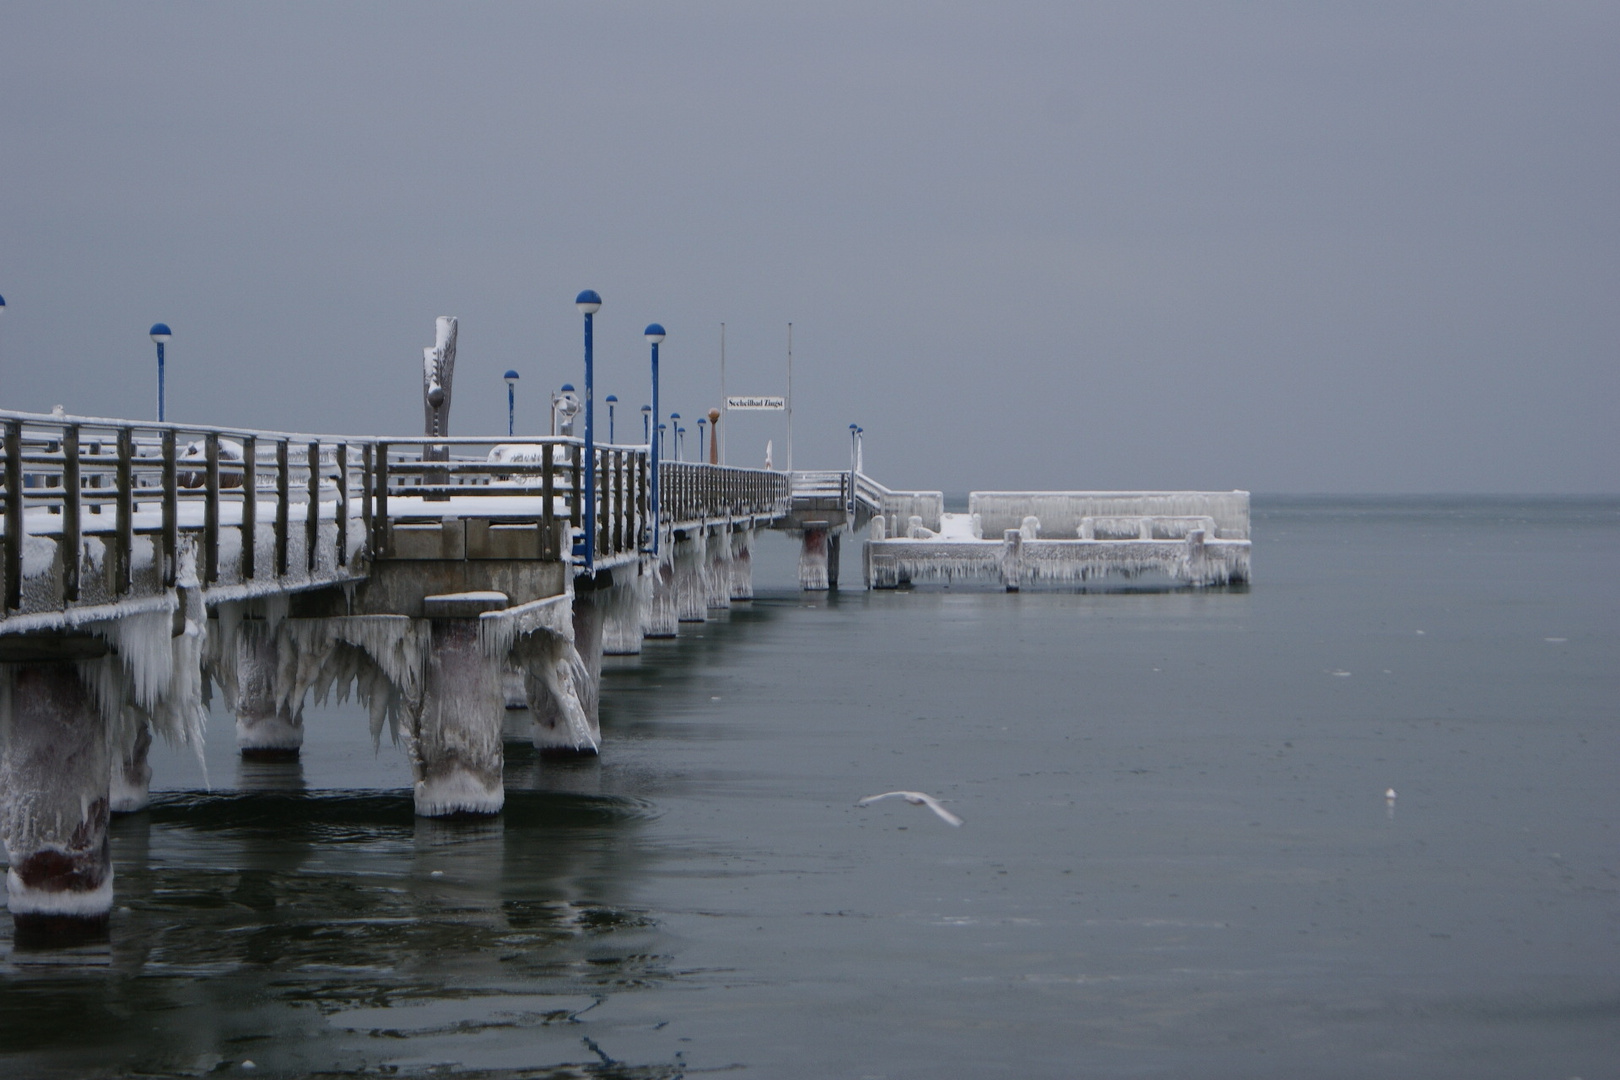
(440, 581)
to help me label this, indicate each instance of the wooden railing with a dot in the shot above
(265, 508)
(693, 492)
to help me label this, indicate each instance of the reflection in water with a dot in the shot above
(269, 774)
(250, 924)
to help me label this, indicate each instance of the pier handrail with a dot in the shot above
(69, 478)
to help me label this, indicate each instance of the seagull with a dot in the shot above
(916, 798)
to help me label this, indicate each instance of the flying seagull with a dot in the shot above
(915, 798)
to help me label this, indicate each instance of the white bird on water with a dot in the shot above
(916, 798)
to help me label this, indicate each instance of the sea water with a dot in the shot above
(1178, 856)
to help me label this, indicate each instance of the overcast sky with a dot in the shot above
(1284, 247)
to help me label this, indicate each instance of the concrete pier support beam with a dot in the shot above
(268, 726)
(54, 782)
(131, 775)
(691, 584)
(717, 571)
(835, 543)
(454, 735)
(625, 610)
(813, 548)
(742, 564)
(662, 618)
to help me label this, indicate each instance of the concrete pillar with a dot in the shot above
(454, 736)
(1012, 559)
(54, 779)
(626, 610)
(559, 688)
(131, 776)
(742, 564)
(691, 585)
(717, 572)
(813, 557)
(662, 617)
(835, 542)
(268, 727)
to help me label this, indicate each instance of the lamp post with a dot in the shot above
(854, 435)
(675, 432)
(589, 303)
(661, 449)
(701, 444)
(646, 424)
(511, 402)
(611, 400)
(649, 419)
(680, 433)
(160, 335)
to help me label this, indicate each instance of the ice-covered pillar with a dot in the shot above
(54, 783)
(268, 726)
(835, 544)
(131, 775)
(663, 618)
(455, 734)
(742, 564)
(691, 585)
(626, 611)
(1012, 559)
(717, 574)
(813, 557)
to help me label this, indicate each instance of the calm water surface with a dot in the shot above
(1178, 859)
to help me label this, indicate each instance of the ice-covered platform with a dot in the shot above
(1026, 539)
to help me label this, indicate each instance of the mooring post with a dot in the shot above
(55, 783)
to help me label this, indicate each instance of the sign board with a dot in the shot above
(774, 404)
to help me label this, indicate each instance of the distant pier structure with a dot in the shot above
(440, 580)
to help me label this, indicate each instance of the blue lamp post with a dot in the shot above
(701, 443)
(680, 434)
(589, 303)
(511, 402)
(646, 424)
(649, 418)
(612, 400)
(160, 335)
(661, 448)
(675, 432)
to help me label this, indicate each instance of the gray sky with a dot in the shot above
(1310, 247)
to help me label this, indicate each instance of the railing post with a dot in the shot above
(211, 510)
(548, 512)
(124, 547)
(366, 466)
(283, 505)
(380, 525)
(578, 486)
(312, 511)
(171, 511)
(14, 514)
(343, 504)
(250, 503)
(71, 503)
